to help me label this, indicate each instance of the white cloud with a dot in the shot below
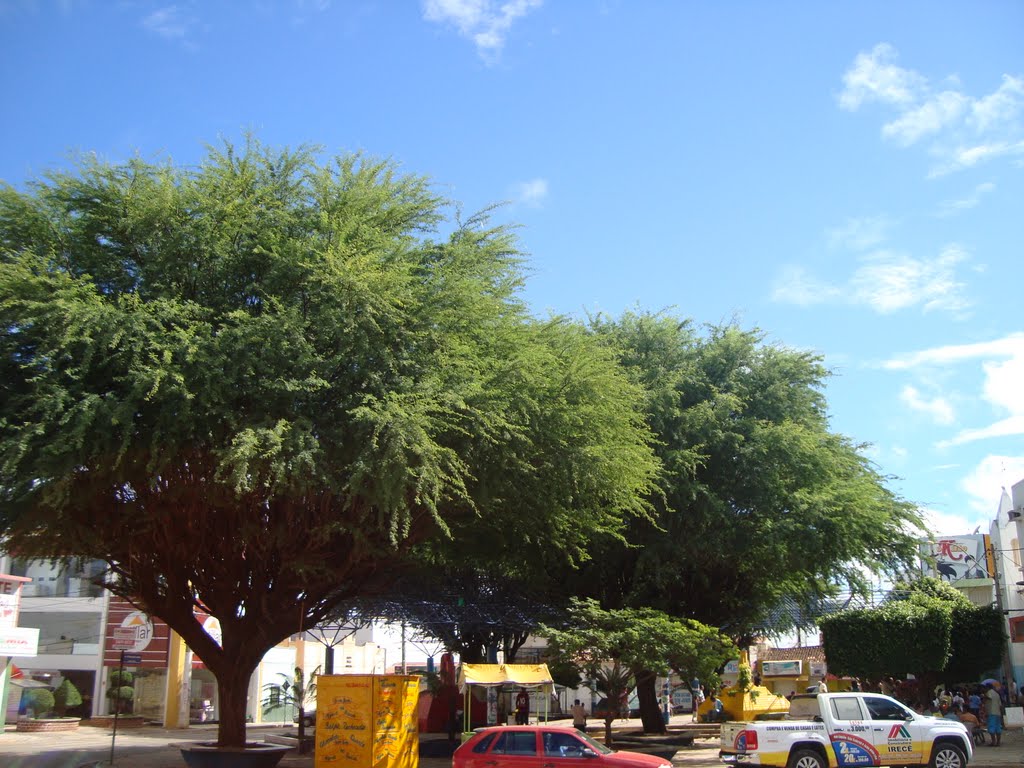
(875, 77)
(1008, 427)
(484, 22)
(532, 192)
(795, 286)
(966, 130)
(953, 523)
(952, 207)
(962, 157)
(889, 282)
(1011, 345)
(931, 117)
(1001, 107)
(938, 408)
(885, 281)
(1002, 389)
(169, 22)
(1002, 367)
(859, 234)
(983, 485)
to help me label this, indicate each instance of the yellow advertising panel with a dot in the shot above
(367, 721)
(396, 736)
(344, 706)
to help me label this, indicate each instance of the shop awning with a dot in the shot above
(491, 675)
(18, 679)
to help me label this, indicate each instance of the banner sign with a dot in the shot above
(129, 629)
(19, 641)
(959, 558)
(788, 668)
(10, 598)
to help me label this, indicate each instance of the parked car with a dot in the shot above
(308, 716)
(507, 746)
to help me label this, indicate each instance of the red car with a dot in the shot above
(541, 746)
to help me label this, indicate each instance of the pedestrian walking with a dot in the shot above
(994, 705)
(579, 715)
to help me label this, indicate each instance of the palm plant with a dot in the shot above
(615, 683)
(292, 693)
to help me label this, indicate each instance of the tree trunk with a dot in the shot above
(650, 712)
(608, 731)
(232, 695)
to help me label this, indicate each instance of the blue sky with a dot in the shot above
(846, 176)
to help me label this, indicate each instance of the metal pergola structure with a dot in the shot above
(432, 621)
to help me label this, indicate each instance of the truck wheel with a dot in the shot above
(808, 758)
(948, 755)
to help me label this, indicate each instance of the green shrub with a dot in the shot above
(66, 696)
(121, 691)
(39, 700)
(121, 677)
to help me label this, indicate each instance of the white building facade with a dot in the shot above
(1007, 532)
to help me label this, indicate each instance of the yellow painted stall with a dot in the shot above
(367, 720)
(532, 676)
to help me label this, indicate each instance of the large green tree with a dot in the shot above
(251, 385)
(759, 501)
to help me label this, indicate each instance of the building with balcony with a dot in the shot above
(69, 610)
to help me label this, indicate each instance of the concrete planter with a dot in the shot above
(252, 755)
(48, 724)
(123, 721)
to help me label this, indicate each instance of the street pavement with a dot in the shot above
(155, 747)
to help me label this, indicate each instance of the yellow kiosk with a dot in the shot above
(531, 676)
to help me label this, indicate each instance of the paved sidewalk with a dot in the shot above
(155, 747)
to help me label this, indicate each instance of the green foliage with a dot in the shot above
(640, 639)
(744, 679)
(120, 690)
(251, 383)
(924, 627)
(40, 700)
(66, 696)
(979, 637)
(928, 588)
(120, 677)
(627, 647)
(758, 501)
(566, 674)
(893, 639)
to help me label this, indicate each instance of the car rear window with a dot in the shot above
(804, 708)
(484, 743)
(516, 743)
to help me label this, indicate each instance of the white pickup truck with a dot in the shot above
(839, 730)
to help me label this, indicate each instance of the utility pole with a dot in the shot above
(1003, 653)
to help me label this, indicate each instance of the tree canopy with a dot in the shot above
(251, 385)
(758, 499)
(624, 647)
